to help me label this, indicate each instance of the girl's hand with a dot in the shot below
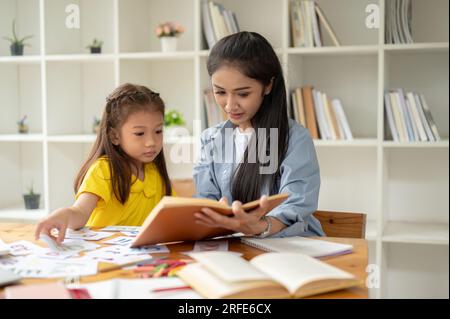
(59, 220)
(249, 223)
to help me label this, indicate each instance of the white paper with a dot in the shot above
(4, 248)
(139, 289)
(9, 261)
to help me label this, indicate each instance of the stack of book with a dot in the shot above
(409, 117)
(214, 113)
(305, 26)
(398, 22)
(323, 117)
(217, 22)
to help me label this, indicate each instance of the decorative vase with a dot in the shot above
(168, 44)
(31, 201)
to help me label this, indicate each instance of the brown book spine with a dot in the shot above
(308, 103)
(334, 120)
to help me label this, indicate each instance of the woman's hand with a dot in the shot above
(249, 223)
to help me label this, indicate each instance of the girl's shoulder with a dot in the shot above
(101, 167)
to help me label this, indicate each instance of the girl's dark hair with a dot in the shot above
(254, 57)
(123, 101)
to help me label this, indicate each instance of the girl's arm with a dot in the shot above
(73, 217)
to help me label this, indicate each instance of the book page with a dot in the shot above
(294, 270)
(228, 266)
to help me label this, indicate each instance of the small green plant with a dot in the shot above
(31, 189)
(95, 46)
(22, 125)
(17, 44)
(173, 118)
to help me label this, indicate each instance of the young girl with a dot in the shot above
(248, 84)
(125, 174)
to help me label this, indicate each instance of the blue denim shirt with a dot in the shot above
(299, 171)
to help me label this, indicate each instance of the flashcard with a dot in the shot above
(121, 240)
(130, 233)
(86, 234)
(4, 249)
(9, 262)
(23, 247)
(121, 228)
(211, 245)
(150, 249)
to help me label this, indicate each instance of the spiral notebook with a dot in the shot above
(307, 246)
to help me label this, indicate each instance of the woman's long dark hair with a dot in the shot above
(254, 57)
(123, 101)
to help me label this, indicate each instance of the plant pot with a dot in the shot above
(31, 201)
(168, 44)
(16, 49)
(23, 128)
(96, 50)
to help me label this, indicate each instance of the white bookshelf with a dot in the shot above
(402, 187)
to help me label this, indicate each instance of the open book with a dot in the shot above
(173, 219)
(270, 275)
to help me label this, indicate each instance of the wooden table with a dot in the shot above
(354, 263)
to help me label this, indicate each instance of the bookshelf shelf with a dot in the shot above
(390, 144)
(354, 143)
(416, 233)
(344, 50)
(22, 215)
(157, 55)
(20, 59)
(61, 87)
(417, 47)
(21, 138)
(80, 57)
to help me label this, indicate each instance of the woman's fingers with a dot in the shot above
(224, 200)
(220, 220)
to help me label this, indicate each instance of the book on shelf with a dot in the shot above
(409, 117)
(172, 219)
(306, 18)
(312, 247)
(398, 22)
(322, 116)
(217, 22)
(270, 275)
(214, 113)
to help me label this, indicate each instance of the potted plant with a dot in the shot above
(22, 125)
(167, 33)
(31, 199)
(17, 44)
(174, 124)
(95, 46)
